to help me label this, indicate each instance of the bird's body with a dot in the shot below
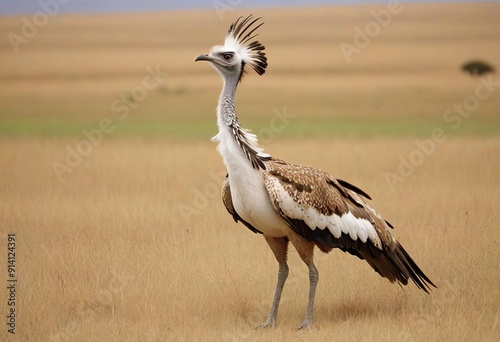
(250, 198)
(294, 203)
(252, 203)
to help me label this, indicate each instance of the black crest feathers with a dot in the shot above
(239, 35)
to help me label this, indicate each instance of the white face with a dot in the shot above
(225, 61)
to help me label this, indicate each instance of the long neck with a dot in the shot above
(231, 132)
(226, 112)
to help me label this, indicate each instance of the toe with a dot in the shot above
(307, 324)
(269, 323)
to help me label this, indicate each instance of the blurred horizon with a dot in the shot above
(14, 8)
(73, 69)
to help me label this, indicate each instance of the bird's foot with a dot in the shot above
(269, 323)
(307, 324)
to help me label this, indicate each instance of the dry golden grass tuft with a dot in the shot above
(110, 253)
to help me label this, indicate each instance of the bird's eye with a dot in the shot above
(227, 56)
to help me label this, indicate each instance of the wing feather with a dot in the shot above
(312, 196)
(333, 214)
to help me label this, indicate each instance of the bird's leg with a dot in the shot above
(279, 247)
(306, 252)
(313, 281)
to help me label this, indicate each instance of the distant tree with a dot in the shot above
(477, 68)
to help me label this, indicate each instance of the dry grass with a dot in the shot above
(77, 65)
(112, 252)
(107, 255)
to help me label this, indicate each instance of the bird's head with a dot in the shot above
(238, 50)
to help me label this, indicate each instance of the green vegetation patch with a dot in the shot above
(202, 129)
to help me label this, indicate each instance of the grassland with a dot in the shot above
(110, 253)
(134, 243)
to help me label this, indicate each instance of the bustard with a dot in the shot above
(294, 203)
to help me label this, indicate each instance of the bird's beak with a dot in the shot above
(203, 57)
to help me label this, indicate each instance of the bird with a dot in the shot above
(291, 203)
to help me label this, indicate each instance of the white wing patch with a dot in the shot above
(356, 228)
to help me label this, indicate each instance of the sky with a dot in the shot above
(25, 7)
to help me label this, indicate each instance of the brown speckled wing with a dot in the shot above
(333, 214)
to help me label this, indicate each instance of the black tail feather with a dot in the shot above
(398, 266)
(414, 272)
